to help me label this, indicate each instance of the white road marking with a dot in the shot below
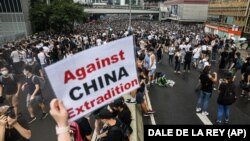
(152, 117)
(204, 119)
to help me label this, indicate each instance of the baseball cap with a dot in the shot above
(104, 114)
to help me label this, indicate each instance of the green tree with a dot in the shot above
(59, 16)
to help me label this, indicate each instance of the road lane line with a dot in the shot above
(204, 119)
(152, 117)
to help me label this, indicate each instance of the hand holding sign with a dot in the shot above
(59, 113)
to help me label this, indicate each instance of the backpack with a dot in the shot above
(76, 135)
(41, 81)
(239, 63)
(228, 96)
(162, 81)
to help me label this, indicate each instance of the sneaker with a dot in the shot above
(146, 115)
(130, 101)
(226, 121)
(242, 95)
(44, 115)
(32, 119)
(219, 122)
(198, 110)
(205, 113)
(150, 112)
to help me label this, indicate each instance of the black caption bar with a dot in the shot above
(226, 132)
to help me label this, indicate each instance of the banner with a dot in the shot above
(95, 77)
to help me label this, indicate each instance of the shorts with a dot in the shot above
(152, 72)
(139, 98)
(38, 99)
(12, 99)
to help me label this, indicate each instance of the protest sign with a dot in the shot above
(95, 77)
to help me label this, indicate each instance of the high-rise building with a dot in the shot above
(228, 18)
(187, 10)
(14, 19)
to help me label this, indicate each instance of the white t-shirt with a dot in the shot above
(46, 49)
(171, 50)
(15, 56)
(99, 42)
(197, 52)
(41, 58)
(204, 48)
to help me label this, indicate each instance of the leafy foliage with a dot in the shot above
(59, 16)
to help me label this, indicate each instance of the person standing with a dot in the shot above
(206, 80)
(188, 58)
(171, 51)
(152, 65)
(10, 86)
(177, 57)
(16, 60)
(226, 98)
(35, 93)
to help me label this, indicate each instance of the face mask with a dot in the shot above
(5, 72)
(29, 61)
(25, 73)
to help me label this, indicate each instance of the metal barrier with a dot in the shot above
(11, 37)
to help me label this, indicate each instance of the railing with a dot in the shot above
(133, 7)
(228, 4)
(240, 28)
(228, 13)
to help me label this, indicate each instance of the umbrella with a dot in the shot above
(243, 39)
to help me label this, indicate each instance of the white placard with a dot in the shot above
(95, 77)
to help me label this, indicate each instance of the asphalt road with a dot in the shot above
(177, 105)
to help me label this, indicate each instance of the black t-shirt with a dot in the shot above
(224, 56)
(9, 84)
(247, 72)
(223, 88)
(125, 116)
(206, 83)
(32, 83)
(188, 56)
(13, 135)
(85, 128)
(35, 69)
(113, 133)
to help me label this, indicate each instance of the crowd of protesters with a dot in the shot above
(22, 63)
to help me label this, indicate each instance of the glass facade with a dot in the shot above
(12, 18)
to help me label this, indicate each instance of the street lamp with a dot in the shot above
(129, 14)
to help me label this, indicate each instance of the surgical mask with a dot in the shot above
(25, 73)
(29, 61)
(5, 72)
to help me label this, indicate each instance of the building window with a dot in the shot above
(10, 6)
